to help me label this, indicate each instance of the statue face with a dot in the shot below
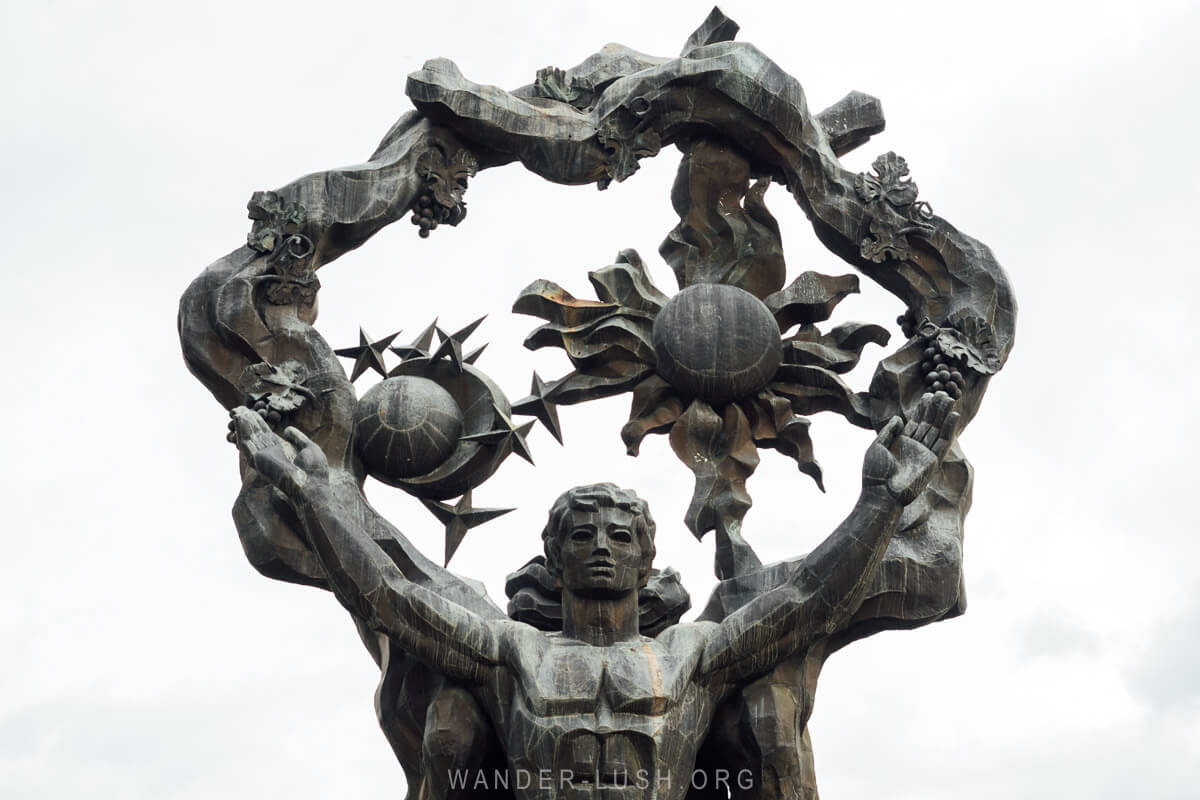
(600, 553)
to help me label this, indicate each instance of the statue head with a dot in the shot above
(599, 538)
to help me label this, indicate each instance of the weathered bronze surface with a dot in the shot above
(590, 686)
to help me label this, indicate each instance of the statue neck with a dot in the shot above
(600, 621)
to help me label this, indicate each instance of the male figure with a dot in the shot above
(598, 710)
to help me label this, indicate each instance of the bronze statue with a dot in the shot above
(600, 706)
(590, 685)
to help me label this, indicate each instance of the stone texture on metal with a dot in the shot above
(591, 675)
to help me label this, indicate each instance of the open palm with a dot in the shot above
(904, 456)
(287, 462)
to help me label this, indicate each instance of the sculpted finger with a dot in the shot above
(948, 404)
(924, 406)
(946, 437)
(890, 431)
(248, 424)
(921, 434)
(950, 426)
(931, 436)
(920, 416)
(939, 407)
(243, 414)
(297, 438)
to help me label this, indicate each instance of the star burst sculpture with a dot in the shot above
(436, 426)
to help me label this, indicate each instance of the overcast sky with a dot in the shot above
(144, 658)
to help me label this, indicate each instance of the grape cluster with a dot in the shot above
(264, 410)
(428, 214)
(941, 373)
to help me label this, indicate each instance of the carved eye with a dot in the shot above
(621, 535)
(581, 535)
(639, 105)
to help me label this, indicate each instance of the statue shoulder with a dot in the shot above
(520, 643)
(687, 635)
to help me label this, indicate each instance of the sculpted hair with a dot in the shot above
(589, 498)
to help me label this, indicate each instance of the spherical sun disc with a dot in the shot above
(716, 342)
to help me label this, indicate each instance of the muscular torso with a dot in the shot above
(587, 722)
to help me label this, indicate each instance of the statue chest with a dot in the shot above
(640, 677)
(612, 722)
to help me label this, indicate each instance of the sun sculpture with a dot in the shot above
(708, 366)
(736, 360)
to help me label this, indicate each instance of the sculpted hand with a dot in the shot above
(289, 465)
(904, 456)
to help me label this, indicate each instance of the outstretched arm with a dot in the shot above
(227, 326)
(441, 633)
(825, 589)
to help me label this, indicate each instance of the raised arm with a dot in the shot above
(443, 634)
(246, 328)
(826, 588)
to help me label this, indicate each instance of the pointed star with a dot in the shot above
(451, 344)
(420, 346)
(505, 431)
(537, 405)
(368, 354)
(474, 355)
(460, 518)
